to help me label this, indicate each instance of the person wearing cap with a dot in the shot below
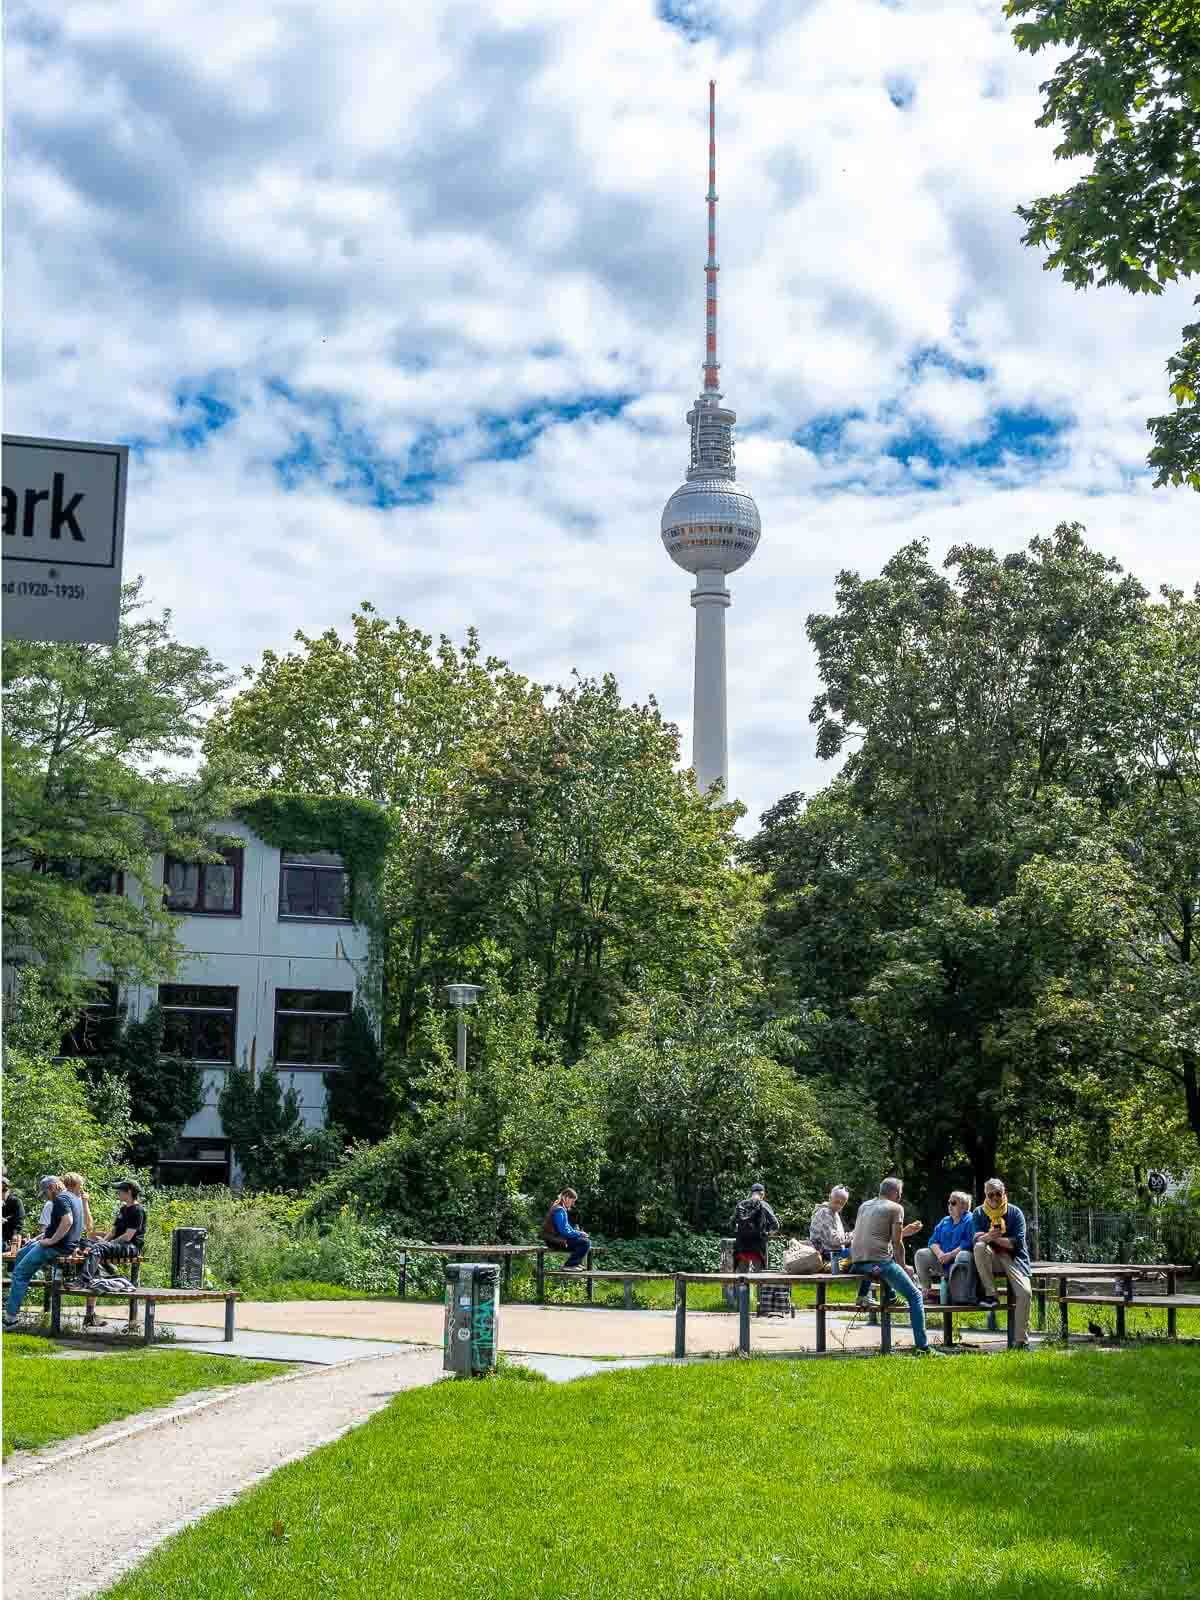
(50, 1248)
(129, 1228)
(753, 1222)
(14, 1220)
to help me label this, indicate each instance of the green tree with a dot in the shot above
(359, 1099)
(386, 716)
(697, 1107)
(589, 860)
(264, 1125)
(164, 1090)
(88, 794)
(1126, 98)
(49, 1122)
(953, 881)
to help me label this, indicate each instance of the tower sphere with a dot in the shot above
(710, 524)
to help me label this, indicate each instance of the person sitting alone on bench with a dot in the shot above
(126, 1237)
(561, 1234)
(952, 1240)
(57, 1240)
(753, 1223)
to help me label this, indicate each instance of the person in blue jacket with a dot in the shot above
(561, 1234)
(953, 1236)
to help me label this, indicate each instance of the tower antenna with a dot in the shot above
(712, 367)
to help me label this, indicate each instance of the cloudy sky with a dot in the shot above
(406, 303)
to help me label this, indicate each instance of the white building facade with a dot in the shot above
(274, 964)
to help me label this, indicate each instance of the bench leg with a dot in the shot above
(680, 1319)
(820, 1319)
(1010, 1330)
(628, 1287)
(743, 1318)
(54, 1294)
(1120, 1322)
(507, 1277)
(135, 1276)
(149, 1335)
(587, 1267)
(229, 1313)
(947, 1329)
(402, 1280)
(885, 1330)
(541, 1277)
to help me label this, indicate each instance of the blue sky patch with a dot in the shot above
(901, 89)
(1029, 436)
(692, 18)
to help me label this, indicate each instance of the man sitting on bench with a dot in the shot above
(1000, 1247)
(877, 1247)
(58, 1237)
(125, 1239)
(559, 1232)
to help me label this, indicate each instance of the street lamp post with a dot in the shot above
(462, 995)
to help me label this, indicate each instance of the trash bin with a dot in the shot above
(187, 1257)
(472, 1329)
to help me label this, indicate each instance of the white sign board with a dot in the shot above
(64, 531)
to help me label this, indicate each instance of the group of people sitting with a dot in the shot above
(65, 1226)
(967, 1248)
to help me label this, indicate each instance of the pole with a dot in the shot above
(462, 1058)
(1037, 1229)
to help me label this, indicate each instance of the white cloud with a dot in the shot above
(378, 230)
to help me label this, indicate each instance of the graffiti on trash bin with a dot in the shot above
(483, 1334)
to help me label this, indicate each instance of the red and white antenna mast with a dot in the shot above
(712, 366)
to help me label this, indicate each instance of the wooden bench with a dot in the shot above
(628, 1279)
(151, 1298)
(1170, 1303)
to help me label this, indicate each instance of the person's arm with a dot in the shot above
(566, 1228)
(898, 1239)
(122, 1238)
(64, 1227)
(935, 1242)
(771, 1220)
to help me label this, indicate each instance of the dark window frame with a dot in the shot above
(239, 872)
(197, 1011)
(293, 861)
(320, 1015)
(97, 1013)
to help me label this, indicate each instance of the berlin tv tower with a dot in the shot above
(710, 526)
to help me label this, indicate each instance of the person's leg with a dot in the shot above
(24, 1267)
(925, 1261)
(1020, 1295)
(576, 1251)
(896, 1278)
(984, 1264)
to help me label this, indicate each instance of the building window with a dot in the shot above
(309, 1024)
(205, 888)
(195, 1161)
(314, 884)
(199, 1022)
(97, 1027)
(93, 877)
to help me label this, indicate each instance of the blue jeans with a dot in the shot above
(577, 1250)
(896, 1278)
(30, 1259)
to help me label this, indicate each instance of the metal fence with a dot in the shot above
(1064, 1235)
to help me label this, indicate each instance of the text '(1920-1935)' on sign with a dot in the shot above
(64, 527)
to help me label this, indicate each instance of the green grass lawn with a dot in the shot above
(49, 1397)
(1007, 1477)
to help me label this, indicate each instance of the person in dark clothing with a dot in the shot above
(54, 1243)
(753, 1223)
(14, 1220)
(560, 1233)
(127, 1235)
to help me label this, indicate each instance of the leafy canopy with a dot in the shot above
(1127, 98)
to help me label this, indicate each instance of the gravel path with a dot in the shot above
(72, 1530)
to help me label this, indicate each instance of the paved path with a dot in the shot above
(549, 1330)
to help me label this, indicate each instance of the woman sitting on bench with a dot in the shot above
(559, 1232)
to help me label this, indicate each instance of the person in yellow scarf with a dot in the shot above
(999, 1246)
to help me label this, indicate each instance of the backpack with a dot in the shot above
(749, 1228)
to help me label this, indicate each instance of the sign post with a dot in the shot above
(64, 534)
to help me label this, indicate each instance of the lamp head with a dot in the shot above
(463, 994)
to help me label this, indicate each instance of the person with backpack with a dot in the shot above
(560, 1233)
(753, 1223)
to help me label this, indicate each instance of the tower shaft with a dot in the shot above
(712, 367)
(710, 716)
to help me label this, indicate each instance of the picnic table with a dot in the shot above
(1127, 1273)
(504, 1253)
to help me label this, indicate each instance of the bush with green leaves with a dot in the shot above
(164, 1089)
